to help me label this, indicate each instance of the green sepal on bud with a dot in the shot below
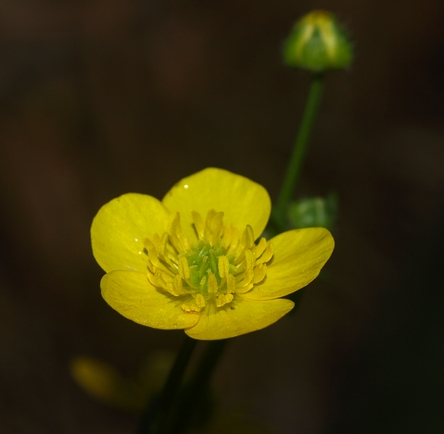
(313, 212)
(318, 43)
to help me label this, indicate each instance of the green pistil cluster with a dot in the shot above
(214, 269)
(205, 273)
(204, 260)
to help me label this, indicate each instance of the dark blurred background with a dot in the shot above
(99, 98)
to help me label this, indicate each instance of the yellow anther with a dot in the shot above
(247, 278)
(234, 240)
(259, 273)
(212, 284)
(176, 237)
(163, 243)
(231, 284)
(247, 240)
(152, 254)
(160, 281)
(214, 226)
(172, 228)
(152, 278)
(262, 245)
(200, 300)
(227, 236)
(170, 287)
(223, 266)
(173, 222)
(249, 259)
(155, 241)
(210, 215)
(191, 307)
(184, 269)
(223, 299)
(199, 224)
(244, 289)
(178, 286)
(267, 255)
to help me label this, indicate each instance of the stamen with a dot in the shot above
(249, 259)
(200, 300)
(177, 239)
(208, 230)
(178, 285)
(184, 269)
(227, 236)
(267, 255)
(246, 281)
(259, 273)
(223, 266)
(247, 240)
(191, 307)
(199, 225)
(163, 244)
(161, 282)
(212, 284)
(223, 299)
(152, 279)
(234, 240)
(152, 254)
(231, 284)
(261, 247)
(216, 227)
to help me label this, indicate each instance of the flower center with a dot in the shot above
(218, 266)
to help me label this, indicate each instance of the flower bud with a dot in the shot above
(313, 212)
(318, 43)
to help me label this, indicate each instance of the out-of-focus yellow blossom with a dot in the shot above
(192, 262)
(103, 382)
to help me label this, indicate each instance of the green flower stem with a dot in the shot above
(299, 150)
(196, 391)
(157, 413)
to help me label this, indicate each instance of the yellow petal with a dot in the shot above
(130, 294)
(242, 201)
(247, 316)
(298, 258)
(119, 228)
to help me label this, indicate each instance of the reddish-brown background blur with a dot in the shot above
(99, 98)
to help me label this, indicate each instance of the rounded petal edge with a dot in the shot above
(119, 228)
(243, 202)
(244, 316)
(130, 294)
(298, 258)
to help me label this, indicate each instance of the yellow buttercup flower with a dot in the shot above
(192, 260)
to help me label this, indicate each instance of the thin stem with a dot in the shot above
(300, 146)
(194, 391)
(154, 417)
